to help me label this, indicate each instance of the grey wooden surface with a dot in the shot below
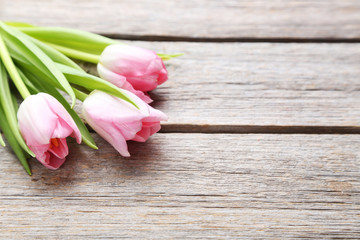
(172, 19)
(262, 86)
(204, 175)
(272, 84)
(190, 186)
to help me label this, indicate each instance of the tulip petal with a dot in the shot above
(163, 75)
(101, 106)
(144, 83)
(92, 82)
(51, 157)
(126, 59)
(45, 124)
(35, 117)
(85, 134)
(142, 68)
(65, 124)
(128, 130)
(117, 120)
(142, 135)
(120, 81)
(148, 129)
(109, 133)
(60, 151)
(154, 129)
(40, 152)
(110, 76)
(62, 129)
(155, 115)
(54, 162)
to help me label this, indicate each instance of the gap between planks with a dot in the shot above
(257, 129)
(162, 38)
(321, 95)
(260, 129)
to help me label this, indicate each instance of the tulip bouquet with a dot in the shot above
(37, 64)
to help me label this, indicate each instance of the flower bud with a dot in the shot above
(142, 68)
(117, 120)
(45, 124)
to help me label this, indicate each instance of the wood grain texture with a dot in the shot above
(200, 19)
(190, 186)
(240, 87)
(180, 186)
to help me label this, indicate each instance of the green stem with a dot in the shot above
(10, 67)
(87, 57)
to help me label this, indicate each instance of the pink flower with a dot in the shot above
(120, 81)
(142, 68)
(45, 124)
(117, 120)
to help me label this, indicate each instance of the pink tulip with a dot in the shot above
(45, 124)
(120, 81)
(117, 120)
(142, 68)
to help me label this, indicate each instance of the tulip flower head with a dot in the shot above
(45, 124)
(117, 120)
(140, 67)
(120, 81)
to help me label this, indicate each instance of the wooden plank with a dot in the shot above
(190, 186)
(200, 19)
(249, 87)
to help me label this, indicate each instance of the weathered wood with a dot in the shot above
(249, 87)
(235, 186)
(190, 185)
(200, 19)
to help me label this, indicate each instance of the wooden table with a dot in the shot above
(262, 141)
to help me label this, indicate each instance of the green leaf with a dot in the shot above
(14, 100)
(13, 142)
(24, 64)
(169, 56)
(17, 41)
(70, 38)
(11, 69)
(19, 24)
(91, 82)
(76, 54)
(85, 134)
(80, 94)
(9, 109)
(33, 89)
(55, 55)
(2, 141)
